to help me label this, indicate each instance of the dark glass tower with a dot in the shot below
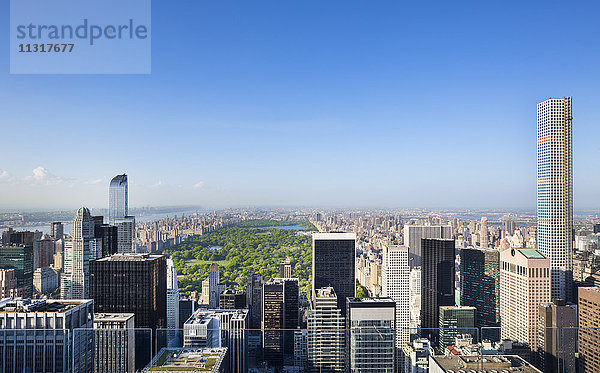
(480, 284)
(19, 258)
(437, 281)
(333, 264)
(134, 283)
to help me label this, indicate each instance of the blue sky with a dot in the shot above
(313, 103)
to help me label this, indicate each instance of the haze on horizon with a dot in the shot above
(313, 104)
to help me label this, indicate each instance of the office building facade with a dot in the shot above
(326, 332)
(371, 337)
(480, 284)
(333, 264)
(413, 234)
(455, 320)
(524, 285)
(556, 346)
(437, 281)
(555, 191)
(114, 342)
(588, 304)
(20, 259)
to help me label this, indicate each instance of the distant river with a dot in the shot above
(45, 228)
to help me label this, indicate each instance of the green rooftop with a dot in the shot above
(532, 254)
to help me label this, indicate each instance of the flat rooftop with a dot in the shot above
(334, 236)
(487, 363)
(12, 305)
(370, 300)
(187, 360)
(532, 254)
(202, 316)
(129, 258)
(107, 317)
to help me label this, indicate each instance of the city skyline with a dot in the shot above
(369, 113)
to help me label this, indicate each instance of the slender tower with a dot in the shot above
(555, 192)
(118, 206)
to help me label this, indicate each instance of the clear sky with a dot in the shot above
(334, 103)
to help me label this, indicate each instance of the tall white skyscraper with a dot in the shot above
(395, 278)
(555, 191)
(172, 300)
(118, 214)
(77, 251)
(483, 233)
(415, 299)
(118, 199)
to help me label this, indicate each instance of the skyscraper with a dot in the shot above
(214, 286)
(20, 259)
(455, 320)
(280, 311)
(325, 336)
(118, 199)
(413, 234)
(524, 285)
(172, 300)
(480, 284)
(483, 233)
(395, 277)
(75, 279)
(254, 287)
(333, 264)
(118, 214)
(56, 230)
(555, 191)
(114, 342)
(370, 339)
(437, 281)
(589, 329)
(135, 283)
(556, 347)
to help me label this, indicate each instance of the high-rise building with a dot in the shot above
(552, 348)
(279, 318)
(118, 199)
(57, 230)
(395, 277)
(220, 328)
(555, 191)
(596, 228)
(114, 342)
(186, 308)
(214, 286)
(172, 300)
(437, 281)
(44, 335)
(371, 338)
(131, 283)
(108, 234)
(8, 285)
(414, 307)
(326, 332)
(285, 268)
(232, 300)
(43, 253)
(75, 278)
(45, 280)
(20, 259)
(413, 234)
(588, 304)
(455, 320)
(480, 284)
(118, 214)
(254, 287)
(333, 264)
(524, 285)
(483, 233)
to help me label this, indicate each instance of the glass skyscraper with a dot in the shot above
(117, 199)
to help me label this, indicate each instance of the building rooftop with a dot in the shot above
(334, 236)
(187, 360)
(531, 253)
(18, 305)
(106, 317)
(327, 292)
(371, 300)
(487, 363)
(203, 316)
(129, 258)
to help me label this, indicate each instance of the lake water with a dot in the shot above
(215, 247)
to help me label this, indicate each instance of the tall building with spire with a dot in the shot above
(77, 254)
(172, 300)
(555, 191)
